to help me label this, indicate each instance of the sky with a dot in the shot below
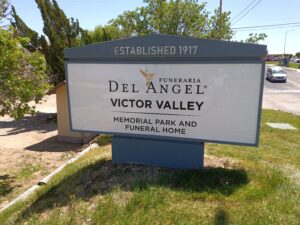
(91, 13)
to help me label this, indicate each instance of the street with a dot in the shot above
(283, 96)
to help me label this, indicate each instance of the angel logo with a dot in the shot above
(148, 76)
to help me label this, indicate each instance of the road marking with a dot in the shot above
(294, 83)
(282, 91)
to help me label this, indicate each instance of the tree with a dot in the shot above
(61, 33)
(102, 33)
(255, 38)
(177, 17)
(23, 75)
(24, 31)
(4, 10)
(298, 54)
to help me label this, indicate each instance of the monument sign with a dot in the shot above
(162, 96)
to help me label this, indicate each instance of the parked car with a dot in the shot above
(296, 60)
(269, 58)
(276, 73)
(276, 58)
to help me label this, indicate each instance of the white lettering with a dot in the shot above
(116, 50)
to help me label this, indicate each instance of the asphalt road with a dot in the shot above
(283, 96)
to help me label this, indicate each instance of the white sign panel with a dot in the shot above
(210, 102)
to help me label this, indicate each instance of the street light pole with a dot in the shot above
(285, 41)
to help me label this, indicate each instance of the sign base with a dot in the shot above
(154, 152)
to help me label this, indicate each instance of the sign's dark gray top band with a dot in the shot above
(165, 47)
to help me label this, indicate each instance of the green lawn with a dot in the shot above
(293, 65)
(276, 63)
(256, 186)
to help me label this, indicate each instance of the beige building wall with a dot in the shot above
(63, 120)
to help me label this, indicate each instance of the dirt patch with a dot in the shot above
(29, 150)
(104, 176)
(216, 162)
(95, 180)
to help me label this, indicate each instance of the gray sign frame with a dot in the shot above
(208, 52)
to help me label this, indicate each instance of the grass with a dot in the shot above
(14, 181)
(28, 170)
(256, 187)
(275, 63)
(103, 139)
(290, 64)
(293, 65)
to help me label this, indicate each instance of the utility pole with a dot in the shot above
(284, 62)
(285, 41)
(220, 8)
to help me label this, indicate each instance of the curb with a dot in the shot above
(288, 68)
(45, 180)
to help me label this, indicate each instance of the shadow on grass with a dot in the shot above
(221, 217)
(103, 176)
(5, 184)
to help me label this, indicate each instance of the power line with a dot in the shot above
(246, 13)
(243, 10)
(266, 26)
